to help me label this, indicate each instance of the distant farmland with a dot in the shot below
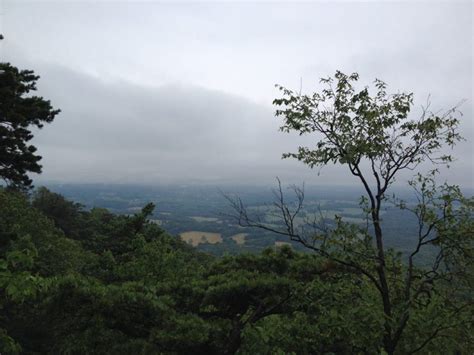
(197, 237)
(239, 238)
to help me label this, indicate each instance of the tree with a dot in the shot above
(373, 136)
(19, 111)
(65, 214)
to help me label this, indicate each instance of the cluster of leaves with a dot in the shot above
(76, 281)
(356, 125)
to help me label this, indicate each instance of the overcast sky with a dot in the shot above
(159, 92)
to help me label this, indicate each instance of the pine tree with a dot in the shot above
(19, 112)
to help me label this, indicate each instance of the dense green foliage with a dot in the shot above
(77, 281)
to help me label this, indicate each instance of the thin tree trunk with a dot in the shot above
(384, 289)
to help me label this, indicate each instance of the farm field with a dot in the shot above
(205, 219)
(239, 238)
(197, 237)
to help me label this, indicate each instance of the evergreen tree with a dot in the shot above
(19, 111)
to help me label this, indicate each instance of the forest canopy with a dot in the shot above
(119, 284)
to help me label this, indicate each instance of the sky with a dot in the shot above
(160, 92)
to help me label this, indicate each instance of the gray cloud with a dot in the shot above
(120, 132)
(163, 92)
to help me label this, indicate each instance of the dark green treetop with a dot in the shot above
(19, 111)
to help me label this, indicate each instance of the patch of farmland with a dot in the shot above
(197, 237)
(239, 238)
(204, 219)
